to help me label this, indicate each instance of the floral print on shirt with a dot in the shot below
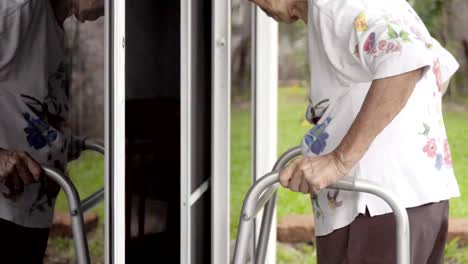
(447, 154)
(333, 202)
(39, 133)
(46, 121)
(383, 46)
(430, 148)
(438, 74)
(316, 138)
(360, 24)
(399, 31)
(433, 149)
(421, 37)
(318, 212)
(332, 197)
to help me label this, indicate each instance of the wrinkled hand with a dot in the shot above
(17, 169)
(311, 174)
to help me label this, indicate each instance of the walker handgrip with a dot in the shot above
(250, 206)
(76, 216)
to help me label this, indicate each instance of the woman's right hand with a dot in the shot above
(17, 169)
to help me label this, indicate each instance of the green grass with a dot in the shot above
(88, 175)
(240, 163)
(291, 128)
(457, 130)
(296, 253)
(455, 254)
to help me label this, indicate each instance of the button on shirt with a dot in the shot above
(352, 43)
(33, 102)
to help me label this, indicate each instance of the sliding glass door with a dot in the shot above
(167, 131)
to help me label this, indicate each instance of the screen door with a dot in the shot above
(167, 131)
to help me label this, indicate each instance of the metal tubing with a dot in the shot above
(89, 144)
(248, 214)
(287, 157)
(265, 198)
(269, 209)
(401, 216)
(92, 200)
(77, 207)
(73, 199)
(264, 237)
(271, 179)
(95, 198)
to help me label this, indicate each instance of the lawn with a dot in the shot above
(291, 128)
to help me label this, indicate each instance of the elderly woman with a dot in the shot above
(33, 123)
(377, 79)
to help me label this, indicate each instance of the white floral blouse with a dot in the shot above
(352, 43)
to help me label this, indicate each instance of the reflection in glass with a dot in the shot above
(51, 97)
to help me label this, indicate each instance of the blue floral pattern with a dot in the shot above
(46, 126)
(316, 138)
(38, 132)
(439, 159)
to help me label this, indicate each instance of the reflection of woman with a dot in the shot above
(383, 76)
(33, 123)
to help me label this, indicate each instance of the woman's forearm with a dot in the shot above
(385, 99)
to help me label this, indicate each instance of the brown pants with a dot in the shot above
(371, 240)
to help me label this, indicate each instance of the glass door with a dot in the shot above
(161, 131)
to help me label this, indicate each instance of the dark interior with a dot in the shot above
(153, 130)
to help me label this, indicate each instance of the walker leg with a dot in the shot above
(270, 207)
(73, 199)
(265, 229)
(242, 242)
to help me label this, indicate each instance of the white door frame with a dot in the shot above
(115, 132)
(185, 128)
(264, 107)
(221, 98)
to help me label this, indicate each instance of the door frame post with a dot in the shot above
(264, 106)
(221, 98)
(115, 132)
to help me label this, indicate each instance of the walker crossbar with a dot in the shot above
(268, 186)
(77, 207)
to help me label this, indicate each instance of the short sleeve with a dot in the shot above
(15, 19)
(447, 62)
(388, 47)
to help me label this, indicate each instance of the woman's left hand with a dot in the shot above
(311, 174)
